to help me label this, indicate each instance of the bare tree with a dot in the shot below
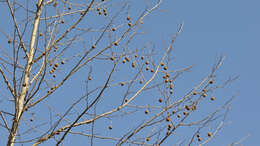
(73, 69)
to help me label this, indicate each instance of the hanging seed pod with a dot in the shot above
(187, 107)
(99, 13)
(209, 134)
(62, 62)
(55, 4)
(54, 76)
(199, 139)
(146, 112)
(167, 75)
(165, 67)
(123, 61)
(9, 41)
(133, 64)
(171, 91)
(56, 65)
(98, 9)
(69, 8)
(173, 111)
(166, 80)
(147, 68)
(142, 57)
(122, 83)
(204, 95)
(211, 81)
(89, 78)
(110, 127)
(129, 24)
(41, 34)
(185, 113)
(147, 138)
(62, 21)
(112, 58)
(93, 46)
(113, 29)
(128, 18)
(171, 86)
(194, 92)
(162, 64)
(127, 59)
(198, 135)
(126, 100)
(140, 81)
(204, 90)
(160, 100)
(194, 107)
(178, 116)
(169, 126)
(116, 43)
(152, 70)
(212, 98)
(146, 62)
(168, 119)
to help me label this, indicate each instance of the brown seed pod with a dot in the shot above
(147, 138)
(54, 76)
(122, 83)
(105, 13)
(165, 67)
(194, 107)
(146, 62)
(93, 46)
(141, 21)
(169, 126)
(194, 92)
(179, 115)
(140, 81)
(147, 68)
(56, 65)
(44, 53)
(52, 88)
(211, 81)
(164, 77)
(185, 113)
(31, 119)
(146, 112)
(187, 107)
(133, 64)
(89, 78)
(9, 41)
(168, 119)
(126, 100)
(110, 127)
(142, 57)
(160, 100)
(123, 61)
(128, 18)
(162, 64)
(41, 34)
(99, 13)
(209, 134)
(199, 139)
(166, 80)
(116, 43)
(129, 24)
(62, 21)
(113, 29)
(127, 59)
(55, 4)
(82, 13)
(171, 86)
(112, 58)
(136, 55)
(198, 135)
(24, 84)
(173, 111)
(98, 9)
(204, 95)
(167, 75)
(152, 70)
(69, 8)
(212, 98)
(204, 90)
(62, 62)
(171, 91)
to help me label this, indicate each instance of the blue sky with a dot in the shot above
(211, 28)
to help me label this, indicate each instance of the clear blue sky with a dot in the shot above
(211, 28)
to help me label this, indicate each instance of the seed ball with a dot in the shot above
(123, 61)
(211, 81)
(147, 139)
(160, 100)
(142, 57)
(110, 127)
(165, 67)
(204, 94)
(212, 98)
(209, 134)
(128, 18)
(113, 29)
(146, 112)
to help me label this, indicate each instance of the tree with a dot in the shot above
(81, 68)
